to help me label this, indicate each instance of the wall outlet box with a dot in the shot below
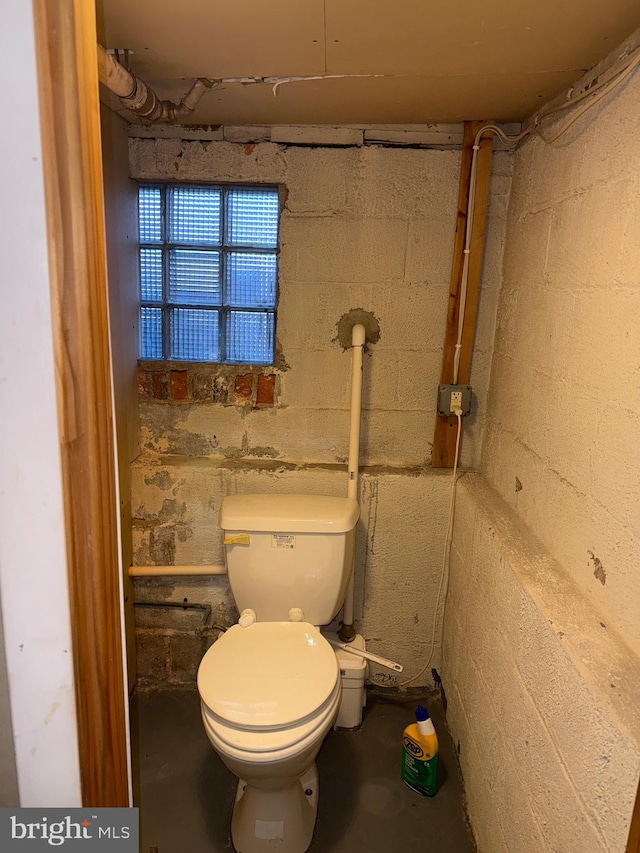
(449, 395)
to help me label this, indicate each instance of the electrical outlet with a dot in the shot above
(456, 401)
(450, 396)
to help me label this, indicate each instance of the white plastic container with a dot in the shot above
(353, 671)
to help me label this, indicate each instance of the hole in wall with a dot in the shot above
(346, 323)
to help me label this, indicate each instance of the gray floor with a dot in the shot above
(185, 793)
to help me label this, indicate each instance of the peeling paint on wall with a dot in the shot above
(598, 569)
(161, 479)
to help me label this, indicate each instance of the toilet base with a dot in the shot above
(280, 820)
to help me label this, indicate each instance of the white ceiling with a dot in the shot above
(395, 61)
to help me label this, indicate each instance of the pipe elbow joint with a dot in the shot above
(358, 335)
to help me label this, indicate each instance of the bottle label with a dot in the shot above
(419, 770)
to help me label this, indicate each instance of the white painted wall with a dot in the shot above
(368, 228)
(33, 571)
(9, 795)
(542, 623)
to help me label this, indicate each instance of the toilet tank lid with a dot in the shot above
(289, 513)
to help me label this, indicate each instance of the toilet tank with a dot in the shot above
(284, 551)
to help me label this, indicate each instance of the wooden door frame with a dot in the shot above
(70, 117)
(65, 32)
(633, 843)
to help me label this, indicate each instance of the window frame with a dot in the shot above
(223, 309)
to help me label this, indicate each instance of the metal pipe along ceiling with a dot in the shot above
(136, 96)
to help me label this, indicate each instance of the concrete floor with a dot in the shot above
(185, 792)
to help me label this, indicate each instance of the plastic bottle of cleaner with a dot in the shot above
(420, 754)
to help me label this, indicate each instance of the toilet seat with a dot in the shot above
(259, 746)
(268, 686)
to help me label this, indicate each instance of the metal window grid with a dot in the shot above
(246, 303)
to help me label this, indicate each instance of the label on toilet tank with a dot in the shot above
(283, 540)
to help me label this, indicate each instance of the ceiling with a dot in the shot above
(378, 61)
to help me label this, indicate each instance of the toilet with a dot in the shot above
(270, 687)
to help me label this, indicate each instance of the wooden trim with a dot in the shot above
(444, 441)
(69, 110)
(633, 844)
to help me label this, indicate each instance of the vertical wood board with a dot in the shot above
(633, 844)
(444, 441)
(69, 109)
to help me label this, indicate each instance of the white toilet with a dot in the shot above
(270, 686)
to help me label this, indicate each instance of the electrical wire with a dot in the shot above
(606, 83)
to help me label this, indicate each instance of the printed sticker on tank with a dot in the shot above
(283, 540)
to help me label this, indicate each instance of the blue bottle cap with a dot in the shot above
(421, 714)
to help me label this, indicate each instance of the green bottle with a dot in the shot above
(420, 755)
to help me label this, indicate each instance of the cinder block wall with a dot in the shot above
(542, 624)
(362, 228)
(397, 573)
(543, 697)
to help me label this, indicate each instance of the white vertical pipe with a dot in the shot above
(358, 339)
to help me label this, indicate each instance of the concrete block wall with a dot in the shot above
(542, 623)
(399, 554)
(366, 228)
(562, 445)
(543, 695)
(369, 228)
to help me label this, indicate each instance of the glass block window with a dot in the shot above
(208, 273)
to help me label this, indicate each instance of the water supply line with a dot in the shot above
(176, 571)
(140, 99)
(347, 630)
(606, 82)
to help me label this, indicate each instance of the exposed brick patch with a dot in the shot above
(160, 382)
(143, 383)
(179, 389)
(220, 389)
(266, 389)
(201, 386)
(244, 387)
(222, 384)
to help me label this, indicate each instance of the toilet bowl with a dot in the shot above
(270, 692)
(270, 687)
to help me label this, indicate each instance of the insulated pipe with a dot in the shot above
(358, 339)
(136, 96)
(162, 571)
